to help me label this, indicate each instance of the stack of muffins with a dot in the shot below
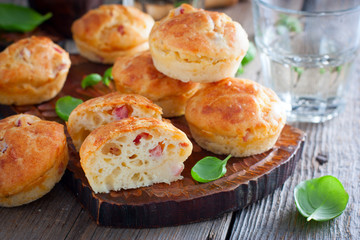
(121, 137)
(194, 55)
(33, 152)
(189, 69)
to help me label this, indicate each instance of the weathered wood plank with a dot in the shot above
(85, 228)
(276, 216)
(58, 216)
(52, 215)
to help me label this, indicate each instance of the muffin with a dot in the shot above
(235, 116)
(32, 70)
(108, 108)
(110, 31)
(196, 45)
(137, 74)
(30, 167)
(132, 153)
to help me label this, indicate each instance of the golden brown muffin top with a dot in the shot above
(113, 27)
(29, 147)
(33, 61)
(233, 107)
(190, 31)
(137, 74)
(116, 98)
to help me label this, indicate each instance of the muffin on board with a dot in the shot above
(137, 74)
(95, 112)
(235, 116)
(132, 153)
(196, 45)
(32, 70)
(110, 31)
(33, 157)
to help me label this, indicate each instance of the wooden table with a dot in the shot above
(59, 216)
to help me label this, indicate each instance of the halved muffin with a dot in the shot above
(108, 108)
(132, 153)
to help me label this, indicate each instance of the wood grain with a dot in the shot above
(274, 217)
(247, 179)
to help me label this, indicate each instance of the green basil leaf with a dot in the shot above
(178, 3)
(90, 80)
(250, 54)
(298, 70)
(292, 24)
(209, 169)
(240, 70)
(321, 198)
(107, 76)
(20, 19)
(106, 81)
(65, 105)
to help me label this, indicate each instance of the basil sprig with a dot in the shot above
(107, 76)
(288, 23)
(209, 169)
(65, 105)
(250, 55)
(321, 199)
(94, 78)
(16, 18)
(91, 80)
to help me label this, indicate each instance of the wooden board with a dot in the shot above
(246, 181)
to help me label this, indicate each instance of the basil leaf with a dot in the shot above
(292, 24)
(338, 69)
(65, 105)
(107, 76)
(298, 70)
(209, 169)
(90, 80)
(250, 54)
(240, 70)
(20, 19)
(321, 198)
(178, 3)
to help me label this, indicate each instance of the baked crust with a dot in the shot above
(137, 74)
(196, 45)
(30, 167)
(235, 116)
(32, 70)
(132, 153)
(95, 112)
(110, 31)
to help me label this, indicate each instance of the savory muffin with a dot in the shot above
(132, 153)
(110, 31)
(235, 116)
(33, 157)
(196, 45)
(137, 74)
(32, 70)
(108, 108)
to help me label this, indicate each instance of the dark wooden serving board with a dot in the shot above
(246, 181)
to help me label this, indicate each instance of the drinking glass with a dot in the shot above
(307, 50)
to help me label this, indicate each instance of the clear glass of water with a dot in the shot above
(307, 50)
